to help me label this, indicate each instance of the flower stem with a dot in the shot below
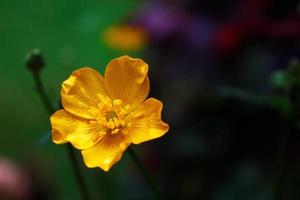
(45, 100)
(144, 172)
(42, 93)
(78, 174)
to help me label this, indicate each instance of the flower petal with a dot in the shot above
(126, 79)
(82, 92)
(69, 128)
(106, 153)
(145, 122)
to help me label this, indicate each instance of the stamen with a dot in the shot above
(115, 131)
(111, 124)
(116, 122)
(122, 122)
(117, 102)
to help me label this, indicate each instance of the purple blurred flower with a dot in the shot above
(161, 21)
(14, 182)
(199, 32)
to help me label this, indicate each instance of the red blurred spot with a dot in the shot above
(227, 39)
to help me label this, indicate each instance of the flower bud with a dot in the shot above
(34, 61)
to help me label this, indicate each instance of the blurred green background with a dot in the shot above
(69, 35)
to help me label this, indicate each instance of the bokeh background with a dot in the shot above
(227, 72)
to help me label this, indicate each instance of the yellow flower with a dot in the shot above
(103, 116)
(125, 37)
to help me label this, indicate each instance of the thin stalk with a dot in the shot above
(42, 93)
(45, 100)
(144, 172)
(78, 174)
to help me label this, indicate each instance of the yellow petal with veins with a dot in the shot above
(69, 128)
(145, 122)
(102, 117)
(126, 79)
(106, 153)
(82, 92)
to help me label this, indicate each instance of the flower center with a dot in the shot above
(113, 122)
(111, 116)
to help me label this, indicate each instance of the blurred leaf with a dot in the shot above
(243, 95)
(282, 104)
(280, 80)
(294, 72)
(44, 139)
(244, 183)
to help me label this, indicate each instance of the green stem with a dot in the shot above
(45, 100)
(42, 93)
(144, 172)
(78, 174)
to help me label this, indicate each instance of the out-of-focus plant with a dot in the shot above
(126, 37)
(14, 181)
